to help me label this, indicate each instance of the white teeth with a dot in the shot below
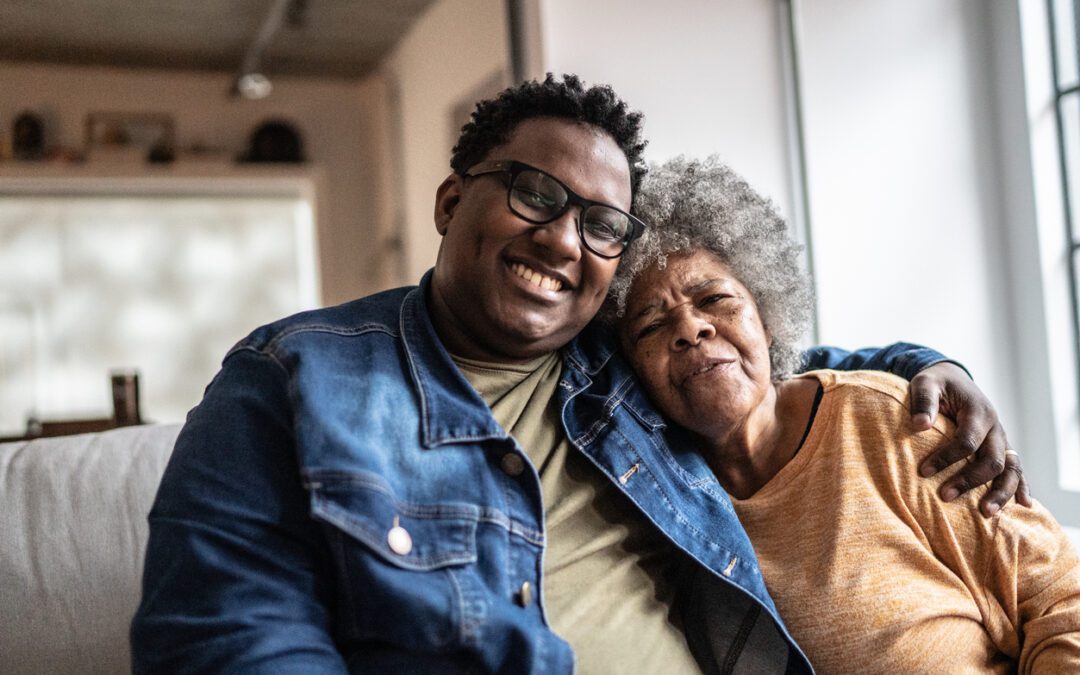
(536, 278)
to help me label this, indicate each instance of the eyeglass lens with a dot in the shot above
(539, 198)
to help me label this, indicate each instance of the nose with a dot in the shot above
(561, 235)
(690, 330)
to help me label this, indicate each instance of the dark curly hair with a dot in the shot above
(494, 120)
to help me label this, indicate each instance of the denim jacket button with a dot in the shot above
(399, 540)
(512, 464)
(525, 595)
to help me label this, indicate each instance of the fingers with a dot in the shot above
(982, 469)
(946, 388)
(972, 432)
(987, 465)
(925, 399)
(1006, 472)
(977, 429)
(1005, 486)
(1023, 491)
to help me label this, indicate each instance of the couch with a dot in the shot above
(72, 539)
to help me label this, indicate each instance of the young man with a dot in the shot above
(449, 477)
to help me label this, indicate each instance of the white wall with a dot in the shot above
(706, 74)
(341, 121)
(904, 176)
(454, 52)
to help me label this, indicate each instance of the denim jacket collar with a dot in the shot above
(596, 349)
(451, 410)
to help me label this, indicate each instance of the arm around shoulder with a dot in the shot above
(900, 358)
(237, 577)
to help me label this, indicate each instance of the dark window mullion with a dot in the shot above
(1067, 197)
(1076, 34)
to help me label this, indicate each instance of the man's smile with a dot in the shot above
(536, 277)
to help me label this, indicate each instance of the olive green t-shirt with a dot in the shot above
(610, 576)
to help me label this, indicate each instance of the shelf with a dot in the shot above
(201, 177)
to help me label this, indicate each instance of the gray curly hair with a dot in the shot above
(691, 204)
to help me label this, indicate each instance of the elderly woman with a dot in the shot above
(870, 570)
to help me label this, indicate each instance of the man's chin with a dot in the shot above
(525, 342)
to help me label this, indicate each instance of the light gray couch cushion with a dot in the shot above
(72, 538)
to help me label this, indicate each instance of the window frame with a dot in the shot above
(1068, 200)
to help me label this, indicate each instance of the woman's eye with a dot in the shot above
(648, 330)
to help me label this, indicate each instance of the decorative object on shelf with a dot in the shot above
(161, 153)
(126, 413)
(28, 137)
(125, 396)
(5, 145)
(275, 141)
(131, 137)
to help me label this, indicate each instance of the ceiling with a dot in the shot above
(335, 38)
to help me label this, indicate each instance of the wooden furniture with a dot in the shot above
(125, 396)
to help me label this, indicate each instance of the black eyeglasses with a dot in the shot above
(539, 198)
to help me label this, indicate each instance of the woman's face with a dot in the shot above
(693, 334)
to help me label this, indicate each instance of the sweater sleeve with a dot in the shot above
(1022, 571)
(1032, 581)
(1019, 566)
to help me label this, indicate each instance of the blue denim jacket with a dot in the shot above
(269, 540)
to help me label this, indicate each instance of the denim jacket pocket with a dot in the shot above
(403, 567)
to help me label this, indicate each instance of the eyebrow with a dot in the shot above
(687, 290)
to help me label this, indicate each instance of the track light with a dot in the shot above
(253, 86)
(250, 83)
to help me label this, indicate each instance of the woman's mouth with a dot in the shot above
(706, 368)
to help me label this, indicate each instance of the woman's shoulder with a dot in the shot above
(869, 424)
(873, 396)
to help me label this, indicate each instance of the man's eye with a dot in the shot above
(605, 224)
(603, 230)
(713, 299)
(533, 198)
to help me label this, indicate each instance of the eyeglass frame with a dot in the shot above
(513, 168)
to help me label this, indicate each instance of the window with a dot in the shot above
(1065, 60)
(1037, 65)
(163, 283)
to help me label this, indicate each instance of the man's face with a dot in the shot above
(507, 290)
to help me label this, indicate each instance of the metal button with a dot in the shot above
(399, 539)
(512, 464)
(525, 595)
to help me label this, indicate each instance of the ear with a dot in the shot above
(447, 198)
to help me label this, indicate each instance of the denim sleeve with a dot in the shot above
(236, 577)
(900, 358)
